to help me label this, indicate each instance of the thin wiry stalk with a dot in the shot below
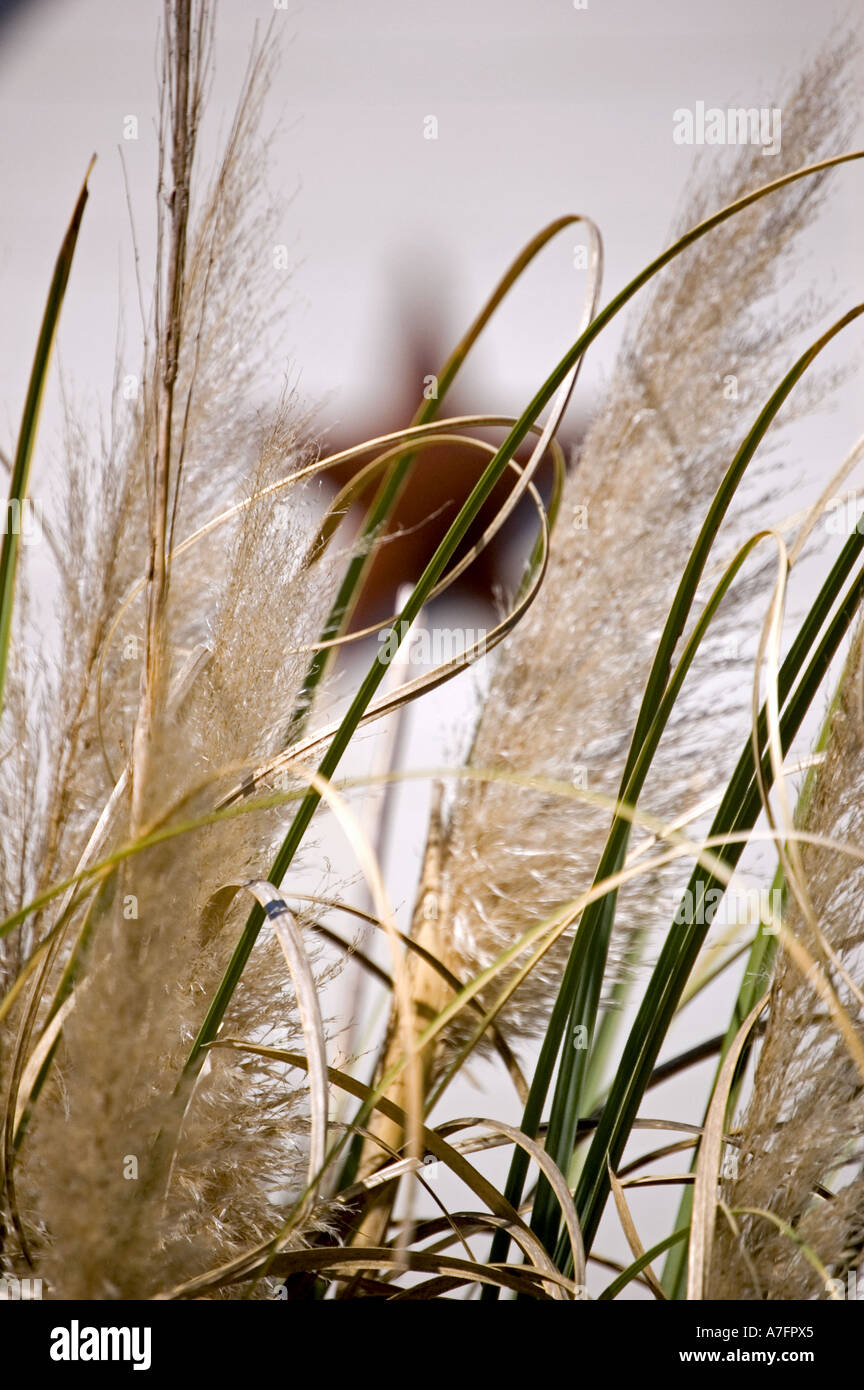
(183, 78)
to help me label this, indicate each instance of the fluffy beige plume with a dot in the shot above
(106, 1209)
(563, 701)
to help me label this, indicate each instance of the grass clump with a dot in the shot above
(171, 1126)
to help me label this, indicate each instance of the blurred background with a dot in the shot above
(395, 239)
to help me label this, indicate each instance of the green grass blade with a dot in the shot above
(29, 425)
(583, 979)
(737, 814)
(754, 982)
(627, 1275)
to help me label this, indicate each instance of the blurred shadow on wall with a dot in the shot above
(13, 9)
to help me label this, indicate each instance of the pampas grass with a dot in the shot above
(160, 1072)
(230, 618)
(563, 705)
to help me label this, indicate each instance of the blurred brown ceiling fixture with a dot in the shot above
(440, 480)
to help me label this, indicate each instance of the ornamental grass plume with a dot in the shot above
(89, 1200)
(562, 702)
(795, 1191)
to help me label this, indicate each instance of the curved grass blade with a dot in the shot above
(341, 1263)
(438, 563)
(637, 1249)
(627, 1275)
(258, 1260)
(583, 978)
(736, 816)
(29, 423)
(290, 939)
(754, 981)
(392, 485)
(708, 1163)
